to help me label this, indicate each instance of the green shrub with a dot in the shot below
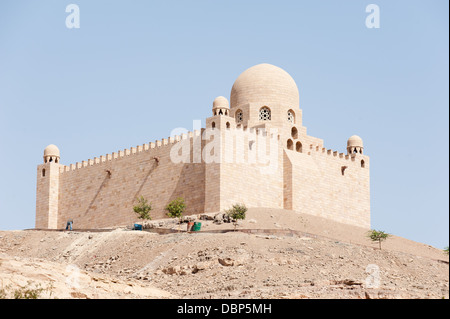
(236, 212)
(143, 208)
(378, 236)
(26, 292)
(23, 293)
(2, 293)
(446, 250)
(176, 208)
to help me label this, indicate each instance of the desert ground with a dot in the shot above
(272, 254)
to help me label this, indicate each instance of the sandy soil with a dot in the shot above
(298, 256)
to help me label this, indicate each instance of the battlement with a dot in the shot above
(316, 150)
(147, 147)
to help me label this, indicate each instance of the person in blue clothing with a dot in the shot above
(69, 224)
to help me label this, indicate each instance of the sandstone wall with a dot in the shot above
(94, 198)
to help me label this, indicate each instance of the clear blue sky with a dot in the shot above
(135, 70)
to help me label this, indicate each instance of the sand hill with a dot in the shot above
(279, 254)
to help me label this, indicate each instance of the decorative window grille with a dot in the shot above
(239, 116)
(290, 116)
(264, 114)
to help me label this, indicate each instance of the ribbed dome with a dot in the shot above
(51, 150)
(265, 84)
(355, 140)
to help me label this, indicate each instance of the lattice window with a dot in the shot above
(290, 116)
(264, 114)
(239, 116)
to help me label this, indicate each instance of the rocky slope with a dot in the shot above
(297, 256)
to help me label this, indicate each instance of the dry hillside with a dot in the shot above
(288, 255)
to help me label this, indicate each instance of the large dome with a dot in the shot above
(266, 84)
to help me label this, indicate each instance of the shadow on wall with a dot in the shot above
(191, 186)
(105, 181)
(155, 164)
(109, 174)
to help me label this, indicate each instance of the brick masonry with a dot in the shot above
(271, 163)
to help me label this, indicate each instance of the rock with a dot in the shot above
(347, 282)
(226, 262)
(171, 270)
(252, 221)
(188, 219)
(199, 266)
(218, 218)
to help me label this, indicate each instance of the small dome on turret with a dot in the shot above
(51, 150)
(221, 106)
(355, 145)
(51, 154)
(355, 140)
(221, 103)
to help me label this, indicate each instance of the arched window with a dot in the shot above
(298, 147)
(213, 125)
(294, 132)
(291, 116)
(264, 114)
(290, 144)
(363, 164)
(43, 172)
(239, 116)
(228, 124)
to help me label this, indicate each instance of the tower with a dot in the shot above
(355, 145)
(47, 189)
(221, 106)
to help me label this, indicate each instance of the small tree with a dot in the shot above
(237, 211)
(378, 236)
(175, 209)
(143, 208)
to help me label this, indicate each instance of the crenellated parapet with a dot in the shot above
(147, 147)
